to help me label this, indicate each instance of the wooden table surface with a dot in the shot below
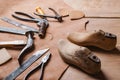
(110, 60)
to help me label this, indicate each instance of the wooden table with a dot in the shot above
(110, 68)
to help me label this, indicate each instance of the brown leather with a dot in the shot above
(55, 66)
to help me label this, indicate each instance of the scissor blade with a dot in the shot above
(26, 64)
(19, 24)
(12, 30)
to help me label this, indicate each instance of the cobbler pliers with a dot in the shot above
(41, 23)
(57, 16)
(40, 66)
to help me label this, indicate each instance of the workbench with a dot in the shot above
(109, 10)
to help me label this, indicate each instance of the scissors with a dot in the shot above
(41, 23)
(40, 66)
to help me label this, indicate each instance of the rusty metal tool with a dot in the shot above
(12, 30)
(30, 45)
(46, 24)
(41, 23)
(19, 24)
(40, 66)
(57, 16)
(26, 64)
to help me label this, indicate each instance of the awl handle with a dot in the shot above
(13, 44)
(39, 10)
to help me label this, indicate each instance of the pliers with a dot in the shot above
(40, 66)
(57, 16)
(41, 23)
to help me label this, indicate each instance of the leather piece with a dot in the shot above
(4, 56)
(73, 14)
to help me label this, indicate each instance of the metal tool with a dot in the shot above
(13, 44)
(40, 66)
(41, 23)
(19, 24)
(12, 30)
(26, 64)
(57, 16)
(40, 11)
(30, 44)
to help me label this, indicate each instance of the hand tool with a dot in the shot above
(19, 24)
(41, 65)
(41, 23)
(30, 44)
(12, 30)
(13, 44)
(26, 64)
(57, 16)
(40, 11)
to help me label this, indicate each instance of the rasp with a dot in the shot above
(26, 64)
(19, 24)
(12, 30)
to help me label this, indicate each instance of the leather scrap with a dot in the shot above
(73, 14)
(4, 56)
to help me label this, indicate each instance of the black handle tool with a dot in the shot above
(41, 23)
(57, 16)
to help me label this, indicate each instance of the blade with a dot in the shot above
(19, 24)
(45, 58)
(26, 64)
(12, 30)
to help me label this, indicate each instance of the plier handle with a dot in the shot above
(30, 18)
(57, 16)
(40, 66)
(41, 23)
